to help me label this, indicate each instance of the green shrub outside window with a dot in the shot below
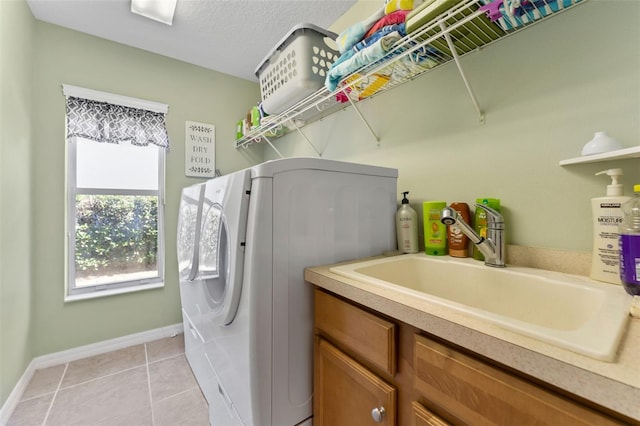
(115, 234)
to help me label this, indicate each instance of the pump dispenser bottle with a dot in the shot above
(630, 244)
(607, 216)
(407, 227)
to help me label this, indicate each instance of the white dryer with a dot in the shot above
(259, 228)
(211, 236)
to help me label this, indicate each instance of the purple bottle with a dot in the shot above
(630, 244)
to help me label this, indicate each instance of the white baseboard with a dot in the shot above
(80, 352)
(15, 395)
(105, 346)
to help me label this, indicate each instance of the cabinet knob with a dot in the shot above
(378, 414)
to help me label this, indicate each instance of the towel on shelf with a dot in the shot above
(391, 6)
(364, 88)
(356, 60)
(397, 17)
(400, 28)
(357, 87)
(510, 15)
(352, 35)
(421, 59)
(380, 40)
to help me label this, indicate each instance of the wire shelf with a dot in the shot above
(456, 32)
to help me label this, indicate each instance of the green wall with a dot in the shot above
(545, 91)
(37, 58)
(16, 139)
(192, 93)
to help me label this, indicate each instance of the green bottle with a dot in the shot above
(480, 222)
(435, 232)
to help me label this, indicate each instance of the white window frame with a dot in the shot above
(73, 293)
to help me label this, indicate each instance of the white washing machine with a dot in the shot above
(248, 312)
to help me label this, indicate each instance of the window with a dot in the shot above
(115, 197)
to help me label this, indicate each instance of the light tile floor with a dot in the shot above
(149, 384)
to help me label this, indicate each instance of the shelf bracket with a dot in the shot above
(366, 123)
(305, 138)
(456, 58)
(272, 147)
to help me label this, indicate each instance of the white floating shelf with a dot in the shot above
(620, 154)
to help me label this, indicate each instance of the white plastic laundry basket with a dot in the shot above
(296, 67)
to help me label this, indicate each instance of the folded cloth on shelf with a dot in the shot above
(363, 88)
(391, 6)
(427, 12)
(419, 60)
(411, 66)
(406, 67)
(400, 28)
(352, 35)
(510, 14)
(397, 17)
(356, 60)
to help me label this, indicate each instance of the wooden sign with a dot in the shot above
(199, 149)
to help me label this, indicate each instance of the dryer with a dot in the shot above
(249, 337)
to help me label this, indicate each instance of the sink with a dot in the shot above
(570, 311)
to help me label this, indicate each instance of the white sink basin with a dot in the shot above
(570, 311)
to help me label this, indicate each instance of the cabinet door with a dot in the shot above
(346, 393)
(478, 393)
(420, 416)
(365, 335)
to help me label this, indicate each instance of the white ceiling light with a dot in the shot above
(158, 10)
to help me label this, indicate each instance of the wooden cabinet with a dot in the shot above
(420, 416)
(362, 333)
(365, 361)
(346, 393)
(478, 393)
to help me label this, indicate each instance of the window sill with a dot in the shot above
(112, 292)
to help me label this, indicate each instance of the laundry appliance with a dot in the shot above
(244, 240)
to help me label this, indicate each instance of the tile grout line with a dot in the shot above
(146, 364)
(73, 385)
(55, 394)
(146, 357)
(102, 377)
(181, 393)
(166, 358)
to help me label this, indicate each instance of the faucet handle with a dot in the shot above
(493, 216)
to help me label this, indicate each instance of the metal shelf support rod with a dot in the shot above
(456, 58)
(305, 138)
(366, 123)
(272, 147)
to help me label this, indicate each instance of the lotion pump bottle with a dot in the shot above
(607, 217)
(407, 227)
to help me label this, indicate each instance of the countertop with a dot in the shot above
(613, 385)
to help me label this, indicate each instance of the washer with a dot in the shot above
(259, 228)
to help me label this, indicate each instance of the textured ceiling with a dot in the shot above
(229, 36)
